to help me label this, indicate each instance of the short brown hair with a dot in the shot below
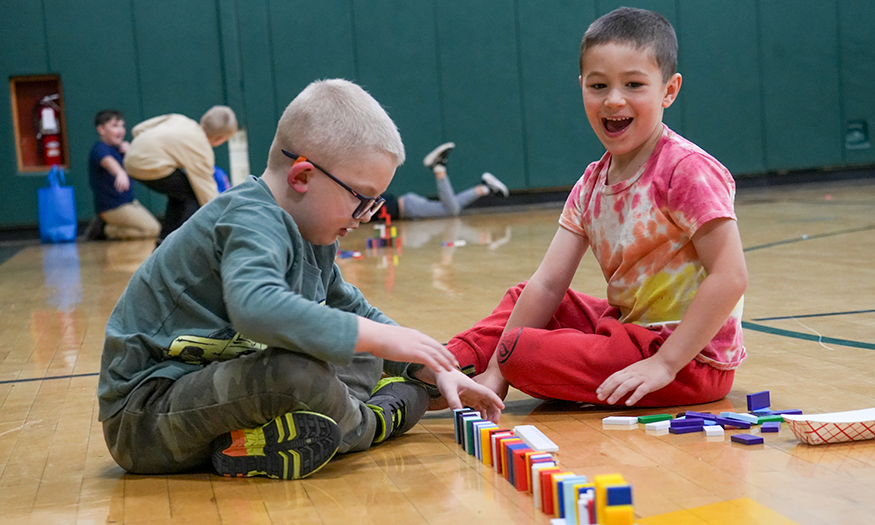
(640, 28)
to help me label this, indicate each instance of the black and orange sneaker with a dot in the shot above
(398, 404)
(291, 446)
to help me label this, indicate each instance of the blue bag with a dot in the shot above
(57, 209)
(222, 181)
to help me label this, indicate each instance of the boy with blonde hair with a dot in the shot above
(173, 155)
(657, 212)
(239, 342)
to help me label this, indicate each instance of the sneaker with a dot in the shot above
(291, 446)
(398, 404)
(438, 156)
(494, 185)
(94, 231)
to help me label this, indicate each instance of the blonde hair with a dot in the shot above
(219, 121)
(334, 121)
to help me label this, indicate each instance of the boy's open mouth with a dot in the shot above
(615, 125)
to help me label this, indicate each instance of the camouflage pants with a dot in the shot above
(167, 426)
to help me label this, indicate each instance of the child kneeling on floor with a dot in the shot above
(238, 342)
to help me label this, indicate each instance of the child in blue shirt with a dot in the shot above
(114, 201)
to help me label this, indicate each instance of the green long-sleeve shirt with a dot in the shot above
(237, 272)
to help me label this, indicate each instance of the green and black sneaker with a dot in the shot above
(398, 404)
(291, 446)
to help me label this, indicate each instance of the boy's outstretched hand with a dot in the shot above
(397, 343)
(460, 391)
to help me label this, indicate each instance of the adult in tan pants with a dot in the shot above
(173, 155)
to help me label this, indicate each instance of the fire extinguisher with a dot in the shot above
(49, 129)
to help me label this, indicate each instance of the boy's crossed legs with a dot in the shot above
(168, 426)
(582, 345)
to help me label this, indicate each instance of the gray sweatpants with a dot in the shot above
(167, 426)
(448, 205)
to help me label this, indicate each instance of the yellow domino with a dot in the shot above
(601, 494)
(486, 449)
(618, 515)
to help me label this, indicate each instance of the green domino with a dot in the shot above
(765, 419)
(654, 418)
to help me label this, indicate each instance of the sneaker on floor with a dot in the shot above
(94, 231)
(291, 446)
(438, 156)
(495, 185)
(398, 404)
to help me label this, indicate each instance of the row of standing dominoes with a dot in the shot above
(528, 460)
(713, 425)
(388, 234)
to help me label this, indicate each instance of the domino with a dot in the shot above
(478, 436)
(654, 418)
(457, 421)
(789, 412)
(714, 431)
(567, 501)
(533, 459)
(463, 427)
(620, 421)
(547, 466)
(758, 401)
(686, 430)
(488, 446)
(544, 493)
(747, 418)
(535, 439)
(658, 425)
(771, 426)
(726, 422)
(747, 439)
(516, 465)
(602, 482)
(687, 422)
(586, 508)
(496, 450)
(619, 495)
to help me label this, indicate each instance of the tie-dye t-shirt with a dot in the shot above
(640, 231)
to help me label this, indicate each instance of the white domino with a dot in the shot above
(658, 426)
(535, 439)
(714, 431)
(620, 421)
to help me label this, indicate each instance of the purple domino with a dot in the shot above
(724, 422)
(687, 422)
(789, 412)
(747, 439)
(686, 430)
(771, 426)
(758, 401)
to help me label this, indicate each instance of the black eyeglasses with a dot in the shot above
(367, 206)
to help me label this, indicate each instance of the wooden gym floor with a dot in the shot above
(810, 332)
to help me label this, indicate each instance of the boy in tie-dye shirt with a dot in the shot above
(657, 212)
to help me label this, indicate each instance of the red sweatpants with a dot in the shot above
(581, 346)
